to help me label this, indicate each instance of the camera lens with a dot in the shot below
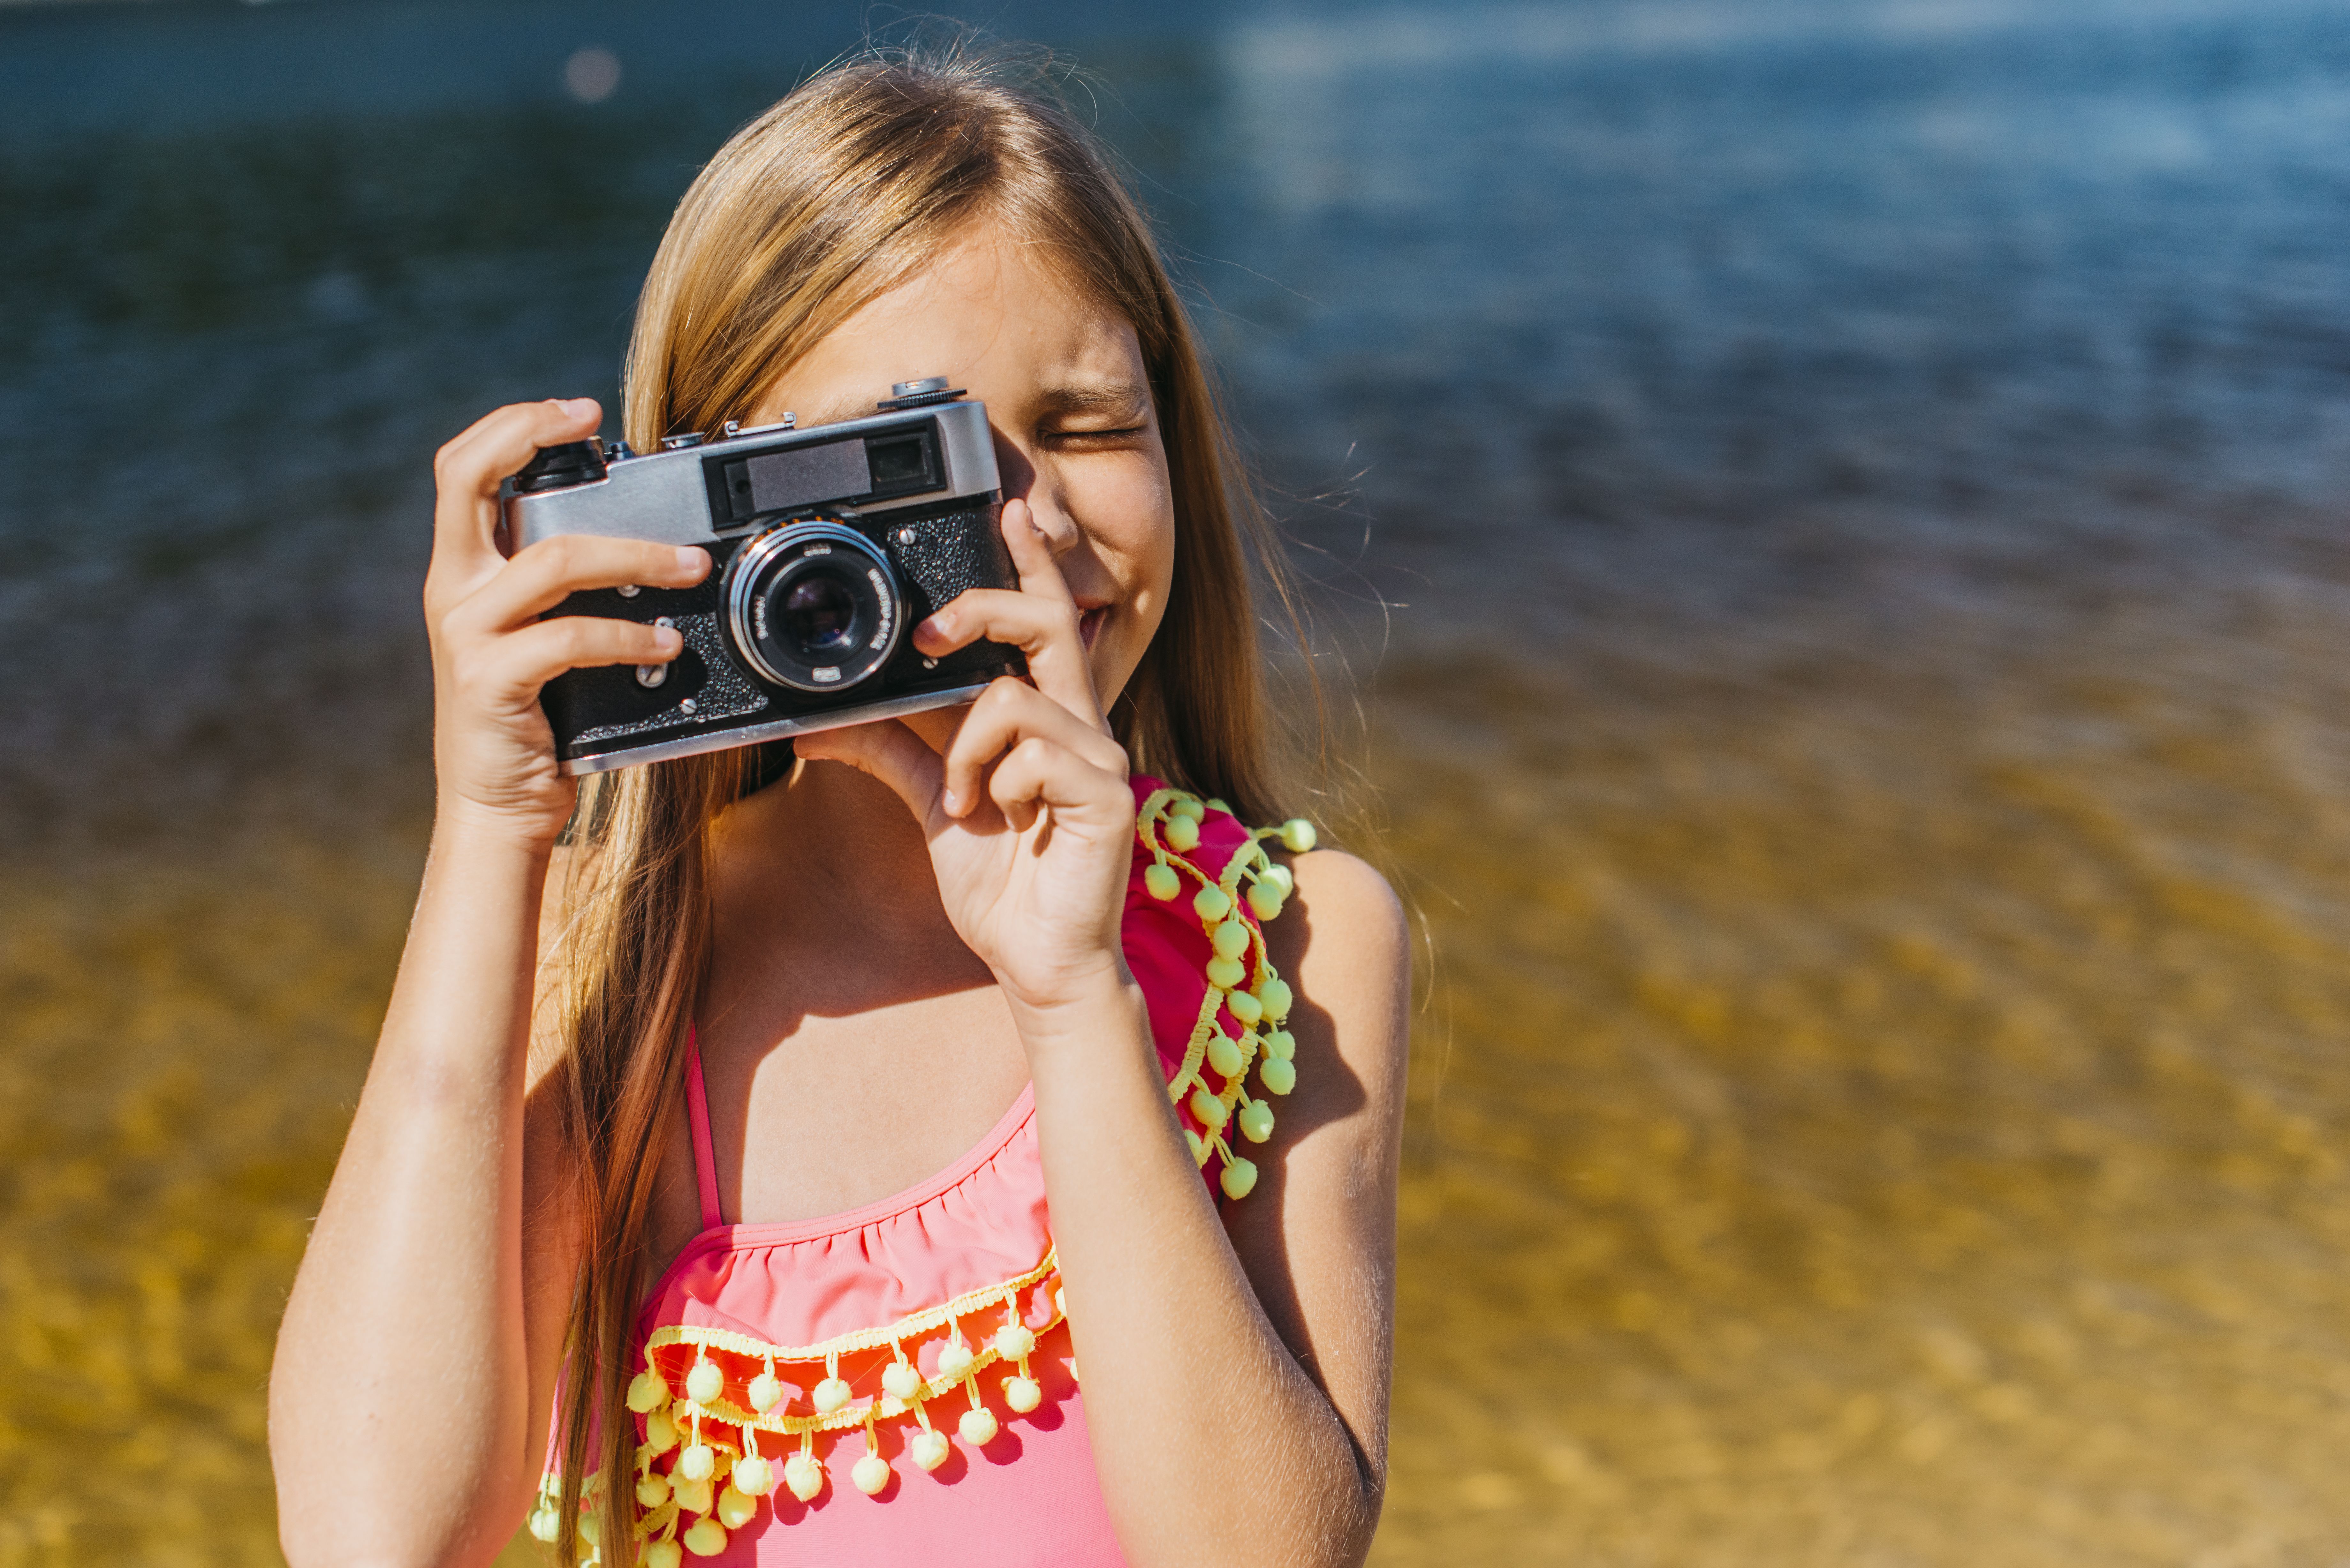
(813, 606)
(818, 615)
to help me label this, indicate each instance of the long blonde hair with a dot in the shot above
(842, 190)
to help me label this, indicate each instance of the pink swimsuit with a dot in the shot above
(916, 1351)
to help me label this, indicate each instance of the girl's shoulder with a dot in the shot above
(1345, 942)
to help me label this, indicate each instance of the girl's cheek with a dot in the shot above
(1132, 522)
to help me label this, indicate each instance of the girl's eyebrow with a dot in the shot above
(1100, 398)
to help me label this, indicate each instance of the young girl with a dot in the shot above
(748, 1169)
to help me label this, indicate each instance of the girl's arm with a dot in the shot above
(1236, 1382)
(416, 1362)
(1236, 1365)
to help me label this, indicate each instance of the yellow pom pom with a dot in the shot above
(693, 1497)
(1220, 805)
(1276, 996)
(661, 1432)
(590, 1527)
(928, 1449)
(1015, 1341)
(1297, 836)
(767, 1392)
(803, 1475)
(1187, 806)
(1183, 835)
(1246, 1008)
(707, 1539)
(1230, 939)
(1224, 973)
(652, 1490)
(1281, 1042)
(753, 1475)
(870, 1473)
(1022, 1395)
(1278, 1074)
(954, 1359)
(977, 1427)
(704, 1382)
(1240, 1175)
(1264, 899)
(1201, 1147)
(697, 1463)
(664, 1554)
(1211, 902)
(1210, 1110)
(647, 1392)
(1224, 1053)
(1162, 882)
(901, 1380)
(831, 1395)
(1284, 882)
(1256, 1121)
(544, 1524)
(734, 1510)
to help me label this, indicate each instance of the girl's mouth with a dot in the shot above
(1089, 624)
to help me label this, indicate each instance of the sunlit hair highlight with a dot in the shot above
(842, 190)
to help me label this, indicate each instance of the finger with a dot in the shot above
(517, 665)
(544, 575)
(1040, 619)
(466, 473)
(1032, 554)
(1007, 714)
(890, 751)
(1038, 773)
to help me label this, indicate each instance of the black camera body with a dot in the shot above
(828, 545)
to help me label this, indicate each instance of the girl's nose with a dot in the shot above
(1052, 520)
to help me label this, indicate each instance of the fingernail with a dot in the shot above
(953, 803)
(690, 558)
(668, 639)
(936, 625)
(578, 407)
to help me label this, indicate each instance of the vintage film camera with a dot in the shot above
(829, 545)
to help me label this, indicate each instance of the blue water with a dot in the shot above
(1969, 281)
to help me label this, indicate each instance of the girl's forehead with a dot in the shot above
(989, 314)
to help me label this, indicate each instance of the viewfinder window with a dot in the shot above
(902, 464)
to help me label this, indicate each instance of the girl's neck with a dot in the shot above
(831, 868)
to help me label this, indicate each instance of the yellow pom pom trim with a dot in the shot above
(803, 1475)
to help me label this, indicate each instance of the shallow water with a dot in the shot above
(1833, 508)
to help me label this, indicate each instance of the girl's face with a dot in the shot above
(1076, 435)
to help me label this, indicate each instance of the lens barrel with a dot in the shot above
(814, 606)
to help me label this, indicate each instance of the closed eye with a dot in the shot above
(1122, 433)
(1062, 410)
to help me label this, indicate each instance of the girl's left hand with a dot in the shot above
(1029, 818)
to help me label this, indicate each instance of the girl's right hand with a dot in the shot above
(492, 753)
